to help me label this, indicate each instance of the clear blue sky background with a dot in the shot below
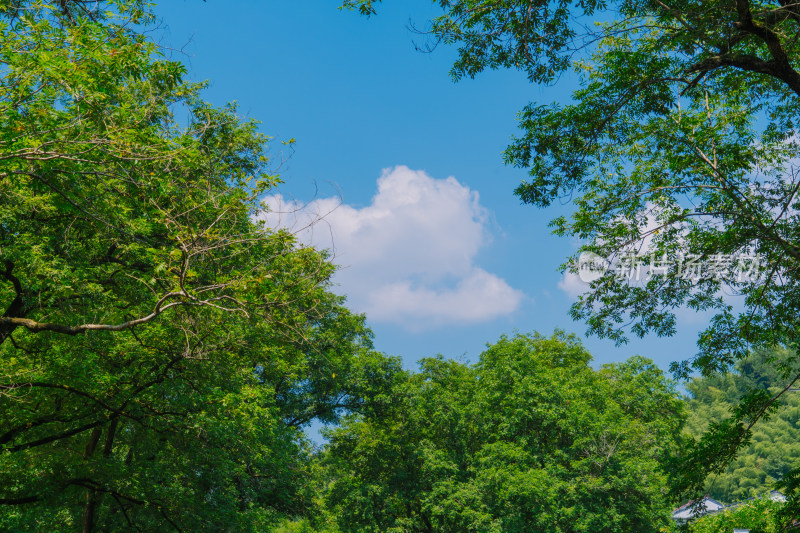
(358, 99)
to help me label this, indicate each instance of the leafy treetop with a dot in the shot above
(161, 348)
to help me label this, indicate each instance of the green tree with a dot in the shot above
(762, 515)
(528, 439)
(772, 451)
(679, 145)
(161, 349)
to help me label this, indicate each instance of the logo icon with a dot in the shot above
(591, 266)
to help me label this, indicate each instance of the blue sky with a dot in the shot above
(435, 247)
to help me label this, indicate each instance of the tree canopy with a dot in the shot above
(161, 348)
(529, 438)
(678, 150)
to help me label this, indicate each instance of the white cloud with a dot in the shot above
(409, 256)
(573, 285)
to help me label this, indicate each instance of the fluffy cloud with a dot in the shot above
(409, 256)
(573, 285)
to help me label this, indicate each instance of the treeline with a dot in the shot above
(531, 438)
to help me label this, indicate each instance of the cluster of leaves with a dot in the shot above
(531, 35)
(161, 349)
(763, 515)
(530, 438)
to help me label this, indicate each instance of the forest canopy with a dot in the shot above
(773, 450)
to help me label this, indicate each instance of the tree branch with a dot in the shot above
(37, 327)
(19, 501)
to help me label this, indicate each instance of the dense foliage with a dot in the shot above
(530, 438)
(761, 515)
(161, 350)
(773, 449)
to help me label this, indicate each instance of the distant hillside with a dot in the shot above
(774, 447)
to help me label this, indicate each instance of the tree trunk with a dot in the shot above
(92, 497)
(90, 506)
